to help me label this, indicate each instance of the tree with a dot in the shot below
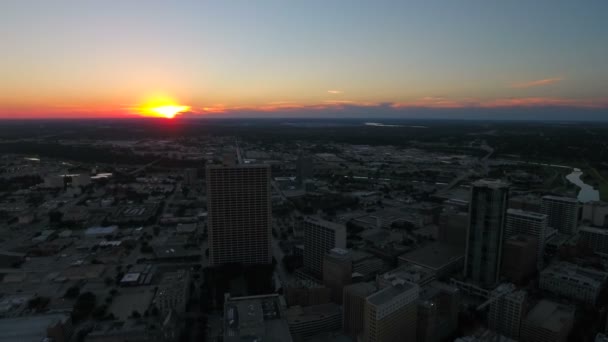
(135, 314)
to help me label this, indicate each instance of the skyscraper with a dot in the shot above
(562, 213)
(320, 237)
(240, 217)
(487, 212)
(528, 223)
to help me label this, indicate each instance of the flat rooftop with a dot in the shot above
(528, 214)
(435, 255)
(255, 318)
(550, 315)
(386, 295)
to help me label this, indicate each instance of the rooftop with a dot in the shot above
(528, 214)
(386, 295)
(491, 183)
(550, 315)
(435, 255)
(560, 199)
(572, 272)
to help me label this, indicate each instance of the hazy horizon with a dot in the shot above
(516, 59)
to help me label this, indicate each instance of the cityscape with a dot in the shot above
(274, 171)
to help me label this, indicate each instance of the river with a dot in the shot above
(586, 193)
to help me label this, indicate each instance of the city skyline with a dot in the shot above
(69, 59)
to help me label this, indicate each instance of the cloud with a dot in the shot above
(537, 83)
(335, 92)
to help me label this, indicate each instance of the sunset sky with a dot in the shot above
(304, 58)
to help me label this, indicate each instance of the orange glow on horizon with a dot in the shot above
(162, 107)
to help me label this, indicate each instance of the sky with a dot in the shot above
(340, 58)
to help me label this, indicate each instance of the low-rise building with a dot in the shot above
(573, 281)
(594, 238)
(548, 322)
(306, 322)
(255, 318)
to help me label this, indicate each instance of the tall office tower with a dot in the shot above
(240, 217)
(528, 223)
(320, 237)
(487, 212)
(354, 299)
(507, 313)
(562, 213)
(391, 314)
(337, 272)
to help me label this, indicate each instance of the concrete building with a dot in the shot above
(320, 237)
(519, 258)
(337, 272)
(306, 322)
(255, 318)
(507, 312)
(239, 214)
(391, 314)
(438, 308)
(173, 292)
(595, 214)
(353, 302)
(529, 223)
(562, 213)
(487, 213)
(594, 238)
(547, 322)
(573, 281)
(366, 265)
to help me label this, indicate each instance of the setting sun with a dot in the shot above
(162, 107)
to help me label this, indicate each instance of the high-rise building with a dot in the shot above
(507, 312)
(562, 213)
(337, 272)
(391, 314)
(354, 299)
(239, 214)
(487, 212)
(320, 236)
(528, 223)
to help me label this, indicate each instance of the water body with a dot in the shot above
(587, 193)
